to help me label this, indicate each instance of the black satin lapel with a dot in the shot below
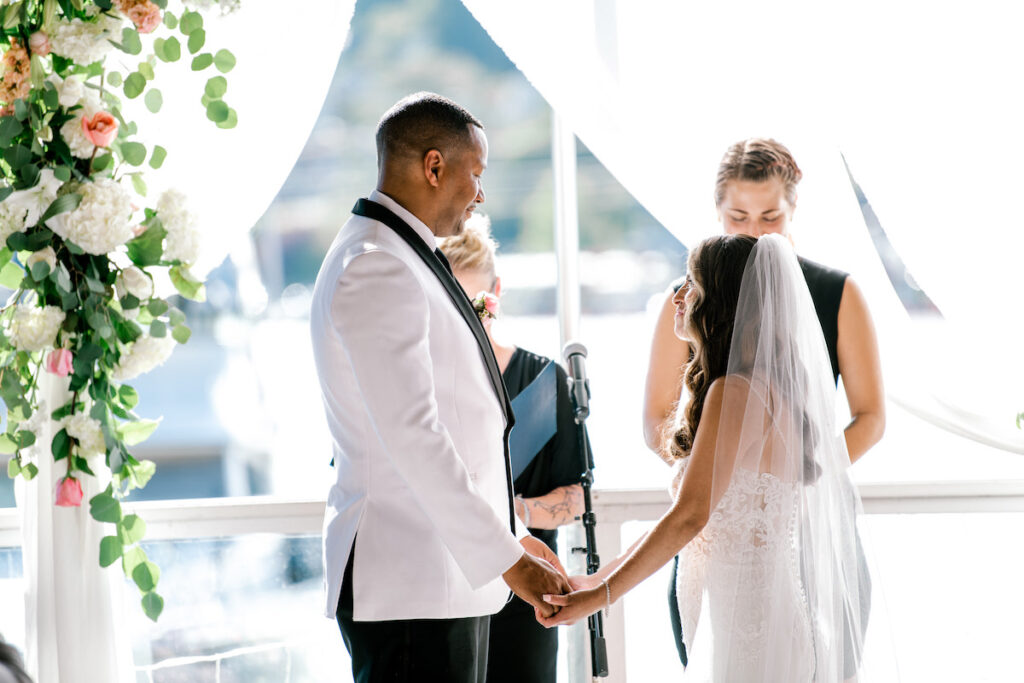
(373, 210)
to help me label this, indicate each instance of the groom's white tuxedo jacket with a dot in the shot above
(417, 432)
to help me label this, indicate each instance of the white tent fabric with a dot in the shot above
(277, 87)
(919, 97)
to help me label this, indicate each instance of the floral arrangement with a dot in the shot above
(80, 245)
(486, 306)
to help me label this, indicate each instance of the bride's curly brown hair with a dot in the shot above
(715, 269)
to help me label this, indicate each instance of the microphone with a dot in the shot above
(574, 354)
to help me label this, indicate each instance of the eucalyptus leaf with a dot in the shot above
(200, 62)
(146, 69)
(130, 42)
(29, 471)
(114, 78)
(128, 396)
(39, 270)
(105, 508)
(152, 605)
(62, 204)
(10, 128)
(186, 284)
(102, 162)
(111, 549)
(191, 21)
(170, 21)
(146, 575)
(169, 50)
(134, 153)
(143, 472)
(131, 529)
(136, 431)
(156, 159)
(147, 249)
(157, 328)
(132, 558)
(231, 121)
(181, 334)
(11, 275)
(224, 60)
(157, 307)
(216, 87)
(154, 100)
(217, 111)
(196, 40)
(13, 468)
(139, 184)
(7, 446)
(134, 85)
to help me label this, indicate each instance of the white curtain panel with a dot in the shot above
(920, 97)
(286, 58)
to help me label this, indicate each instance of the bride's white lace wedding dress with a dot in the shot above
(747, 562)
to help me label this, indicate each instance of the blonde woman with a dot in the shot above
(548, 494)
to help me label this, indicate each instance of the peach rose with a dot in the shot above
(39, 44)
(59, 362)
(69, 492)
(101, 130)
(143, 13)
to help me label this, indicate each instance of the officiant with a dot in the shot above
(544, 450)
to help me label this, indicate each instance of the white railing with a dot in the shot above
(222, 517)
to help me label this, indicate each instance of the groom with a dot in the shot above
(421, 542)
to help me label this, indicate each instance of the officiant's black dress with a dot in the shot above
(826, 288)
(520, 649)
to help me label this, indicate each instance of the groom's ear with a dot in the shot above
(433, 167)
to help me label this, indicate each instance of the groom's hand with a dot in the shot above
(540, 549)
(531, 578)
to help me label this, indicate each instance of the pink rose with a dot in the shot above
(39, 44)
(59, 362)
(69, 493)
(145, 16)
(101, 130)
(491, 304)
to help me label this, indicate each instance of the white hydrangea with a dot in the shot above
(72, 132)
(102, 222)
(225, 6)
(36, 199)
(35, 328)
(132, 280)
(85, 42)
(141, 356)
(70, 90)
(88, 432)
(34, 424)
(182, 235)
(12, 220)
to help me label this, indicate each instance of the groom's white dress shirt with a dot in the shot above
(417, 433)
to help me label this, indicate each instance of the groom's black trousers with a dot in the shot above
(420, 650)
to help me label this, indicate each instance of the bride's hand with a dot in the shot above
(582, 582)
(574, 606)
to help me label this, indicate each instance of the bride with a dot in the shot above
(763, 513)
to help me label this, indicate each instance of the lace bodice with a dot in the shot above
(749, 541)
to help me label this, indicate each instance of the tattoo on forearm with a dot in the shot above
(554, 509)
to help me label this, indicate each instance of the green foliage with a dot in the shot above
(224, 60)
(98, 324)
(200, 62)
(154, 100)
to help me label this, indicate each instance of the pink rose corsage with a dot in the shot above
(486, 306)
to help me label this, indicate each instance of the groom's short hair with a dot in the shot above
(421, 122)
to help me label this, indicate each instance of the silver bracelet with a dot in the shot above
(526, 510)
(607, 597)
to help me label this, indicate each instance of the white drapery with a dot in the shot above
(919, 97)
(76, 611)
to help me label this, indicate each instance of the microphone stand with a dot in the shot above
(595, 622)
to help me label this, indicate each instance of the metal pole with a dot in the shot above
(567, 230)
(567, 248)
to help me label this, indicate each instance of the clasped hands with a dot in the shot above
(541, 580)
